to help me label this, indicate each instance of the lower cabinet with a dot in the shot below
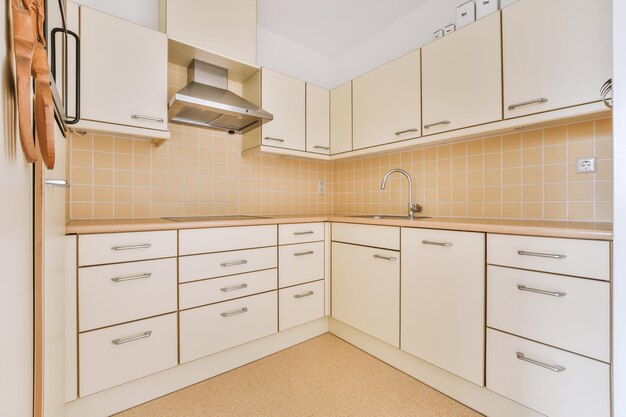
(443, 299)
(300, 304)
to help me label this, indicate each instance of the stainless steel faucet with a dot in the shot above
(413, 207)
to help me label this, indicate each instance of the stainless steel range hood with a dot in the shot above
(206, 102)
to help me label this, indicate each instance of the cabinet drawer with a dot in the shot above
(300, 233)
(580, 388)
(581, 258)
(221, 239)
(123, 247)
(359, 234)
(300, 263)
(569, 313)
(300, 304)
(119, 354)
(211, 329)
(196, 267)
(112, 294)
(194, 294)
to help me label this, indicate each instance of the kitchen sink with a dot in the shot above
(211, 218)
(388, 216)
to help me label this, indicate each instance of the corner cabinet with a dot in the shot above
(556, 54)
(387, 103)
(317, 119)
(341, 118)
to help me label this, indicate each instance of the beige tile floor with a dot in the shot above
(322, 377)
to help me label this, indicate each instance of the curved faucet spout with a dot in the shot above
(413, 207)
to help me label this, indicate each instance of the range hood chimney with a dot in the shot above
(206, 102)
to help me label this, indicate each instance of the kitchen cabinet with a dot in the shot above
(300, 304)
(443, 299)
(317, 119)
(387, 101)
(555, 54)
(341, 118)
(462, 78)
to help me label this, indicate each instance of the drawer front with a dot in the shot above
(569, 313)
(196, 267)
(113, 294)
(581, 258)
(300, 263)
(300, 304)
(194, 294)
(581, 389)
(211, 329)
(221, 239)
(359, 234)
(123, 247)
(300, 233)
(115, 355)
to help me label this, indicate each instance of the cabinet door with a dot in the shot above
(462, 78)
(341, 118)
(366, 290)
(124, 72)
(284, 98)
(387, 103)
(317, 119)
(443, 299)
(558, 50)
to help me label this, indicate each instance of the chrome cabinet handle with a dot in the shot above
(58, 183)
(553, 368)
(234, 312)
(543, 292)
(326, 148)
(234, 288)
(132, 277)
(309, 252)
(541, 255)
(308, 232)
(528, 103)
(130, 247)
(151, 118)
(386, 258)
(274, 139)
(406, 131)
(304, 294)
(430, 242)
(227, 264)
(443, 122)
(121, 341)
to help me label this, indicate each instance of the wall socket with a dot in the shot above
(587, 165)
(321, 187)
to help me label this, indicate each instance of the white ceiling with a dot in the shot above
(330, 27)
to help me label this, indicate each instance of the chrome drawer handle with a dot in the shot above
(132, 338)
(274, 139)
(543, 292)
(130, 247)
(234, 288)
(309, 252)
(308, 232)
(386, 258)
(151, 118)
(132, 277)
(305, 294)
(406, 131)
(58, 183)
(227, 264)
(443, 122)
(553, 368)
(430, 242)
(326, 148)
(234, 312)
(541, 255)
(527, 103)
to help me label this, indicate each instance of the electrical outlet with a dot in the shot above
(321, 187)
(586, 165)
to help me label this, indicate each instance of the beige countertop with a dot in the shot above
(579, 230)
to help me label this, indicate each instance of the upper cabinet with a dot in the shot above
(386, 104)
(462, 78)
(226, 28)
(556, 54)
(317, 119)
(341, 118)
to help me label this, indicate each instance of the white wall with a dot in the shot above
(16, 247)
(143, 12)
